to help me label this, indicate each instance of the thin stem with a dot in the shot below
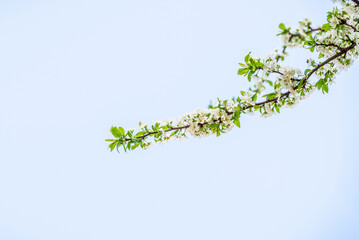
(347, 24)
(314, 30)
(329, 45)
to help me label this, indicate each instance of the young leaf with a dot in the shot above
(270, 96)
(139, 134)
(326, 27)
(247, 58)
(319, 84)
(237, 123)
(325, 88)
(250, 76)
(112, 146)
(254, 98)
(277, 109)
(282, 26)
(243, 71)
(300, 83)
(135, 146)
(122, 131)
(116, 132)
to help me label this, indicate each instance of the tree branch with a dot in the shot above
(221, 118)
(284, 95)
(356, 2)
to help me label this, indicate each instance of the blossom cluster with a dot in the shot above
(273, 85)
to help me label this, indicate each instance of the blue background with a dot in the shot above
(71, 69)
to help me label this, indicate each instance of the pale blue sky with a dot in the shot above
(71, 69)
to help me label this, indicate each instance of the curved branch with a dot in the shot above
(221, 118)
(284, 95)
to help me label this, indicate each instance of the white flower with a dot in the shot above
(269, 112)
(247, 97)
(142, 125)
(334, 22)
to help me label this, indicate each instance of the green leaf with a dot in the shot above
(270, 96)
(237, 114)
(319, 84)
(135, 146)
(243, 71)
(213, 127)
(117, 146)
(116, 132)
(112, 146)
(122, 131)
(124, 147)
(250, 76)
(259, 65)
(282, 26)
(139, 134)
(300, 83)
(307, 71)
(237, 123)
(325, 88)
(254, 97)
(174, 133)
(247, 58)
(130, 133)
(253, 63)
(326, 27)
(218, 132)
(277, 109)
